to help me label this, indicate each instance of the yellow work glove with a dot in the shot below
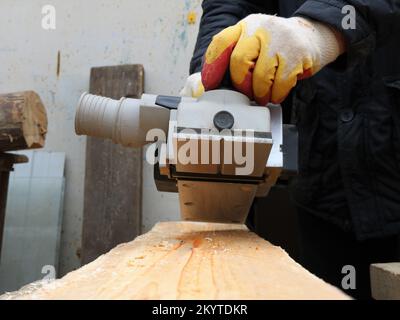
(193, 86)
(268, 54)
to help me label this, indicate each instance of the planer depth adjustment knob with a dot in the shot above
(224, 120)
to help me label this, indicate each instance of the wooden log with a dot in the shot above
(188, 260)
(385, 281)
(113, 177)
(23, 121)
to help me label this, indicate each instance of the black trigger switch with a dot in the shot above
(169, 102)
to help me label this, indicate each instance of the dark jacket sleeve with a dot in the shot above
(376, 22)
(220, 14)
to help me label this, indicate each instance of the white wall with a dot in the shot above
(93, 33)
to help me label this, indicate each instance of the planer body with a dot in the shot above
(219, 152)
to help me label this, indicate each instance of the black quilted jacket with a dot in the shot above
(348, 114)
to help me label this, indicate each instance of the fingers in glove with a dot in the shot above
(193, 86)
(264, 71)
(286, 80)
(242, 63)
(218, 55)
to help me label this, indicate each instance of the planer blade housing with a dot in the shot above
(218, 152)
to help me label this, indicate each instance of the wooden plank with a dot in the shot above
(188, 260)
(385, 281)
(113, 180)
(23, 121)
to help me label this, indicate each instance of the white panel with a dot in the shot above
(33, 219)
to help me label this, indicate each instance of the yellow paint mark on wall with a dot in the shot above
(191, 17)
(58, 63)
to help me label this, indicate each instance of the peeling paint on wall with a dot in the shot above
(93, 33)
(182, 29)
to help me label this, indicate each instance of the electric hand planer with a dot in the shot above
(218, 152)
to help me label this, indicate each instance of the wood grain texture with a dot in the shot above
(33, 219)
(23, 121)
(188, 260)
(385, 281)
(113, 177)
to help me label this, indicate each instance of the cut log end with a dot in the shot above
(23, 121)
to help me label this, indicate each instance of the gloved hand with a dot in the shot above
(193, 86)
(268, 54)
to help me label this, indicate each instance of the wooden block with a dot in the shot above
(23, 121)
(385, 281)
(113, 179)
(188, 260)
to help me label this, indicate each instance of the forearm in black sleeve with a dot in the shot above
(376, 21)
(220, 14)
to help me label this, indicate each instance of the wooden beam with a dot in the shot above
(385, 281)
(113, 179)
(188, 260)
(23, 121)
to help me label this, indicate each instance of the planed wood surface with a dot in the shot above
(23, 121)
(188, 260)
(113, 178)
